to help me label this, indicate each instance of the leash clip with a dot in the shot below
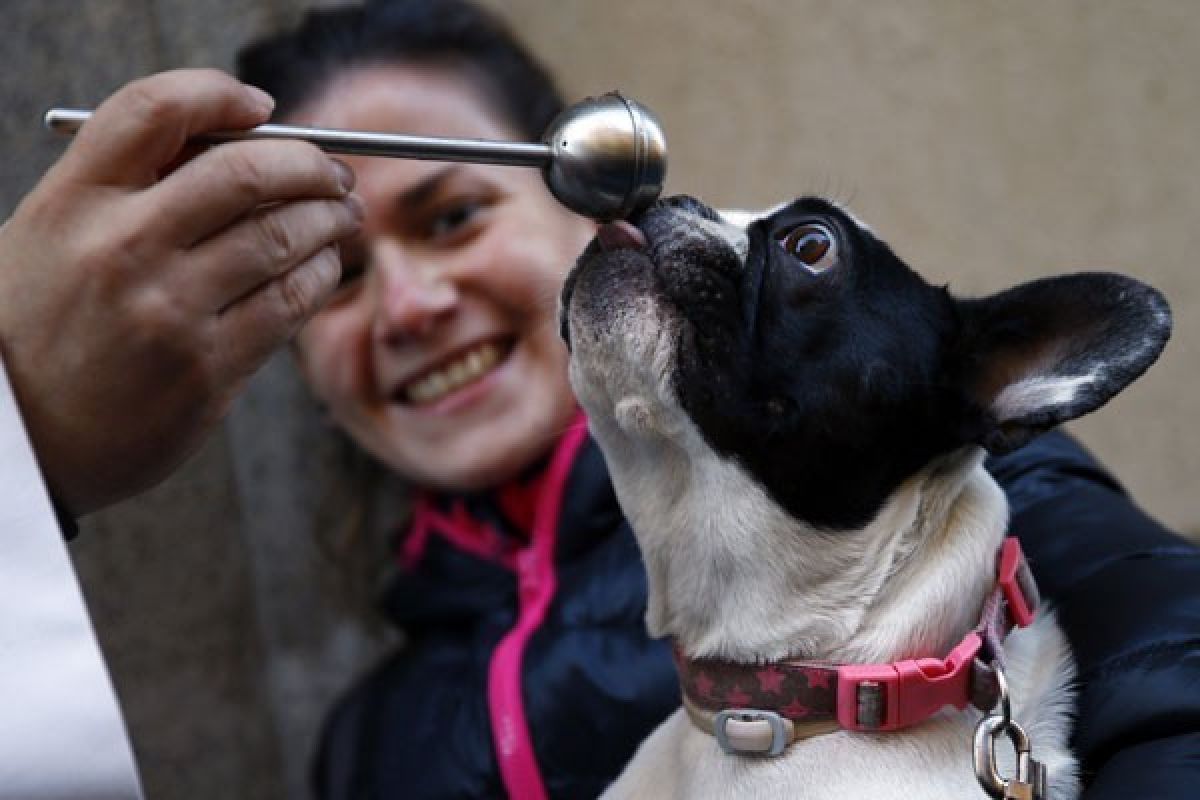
(1030, 781)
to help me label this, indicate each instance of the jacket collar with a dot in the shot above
(455, 539)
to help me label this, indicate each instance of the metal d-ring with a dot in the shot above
(1004, 701)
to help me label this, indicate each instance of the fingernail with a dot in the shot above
(345, 175)
(261, 99)
(356, 206)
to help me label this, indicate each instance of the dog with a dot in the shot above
(795, 423)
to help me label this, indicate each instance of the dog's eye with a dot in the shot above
(814, 245)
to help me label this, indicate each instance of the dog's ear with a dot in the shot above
(1054, 349)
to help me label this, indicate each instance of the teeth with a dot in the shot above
(454, 375)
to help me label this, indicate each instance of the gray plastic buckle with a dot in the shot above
(779, 735)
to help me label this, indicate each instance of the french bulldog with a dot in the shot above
(795, 422)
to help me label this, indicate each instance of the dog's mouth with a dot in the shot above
(673, 250)
(611, 238)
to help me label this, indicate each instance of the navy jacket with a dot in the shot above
(592, 685)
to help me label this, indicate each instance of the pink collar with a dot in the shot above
(741, 703)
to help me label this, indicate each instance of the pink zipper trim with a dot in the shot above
(536, 584)
(460, 529)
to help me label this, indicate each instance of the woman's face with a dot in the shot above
(440, 352)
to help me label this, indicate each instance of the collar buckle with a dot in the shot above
(888, 697)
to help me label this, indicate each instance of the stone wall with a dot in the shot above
(224, 623)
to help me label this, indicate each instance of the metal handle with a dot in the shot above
(363, 143)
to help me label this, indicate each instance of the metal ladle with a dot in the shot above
(605, 157)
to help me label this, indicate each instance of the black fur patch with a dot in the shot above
(829, 389)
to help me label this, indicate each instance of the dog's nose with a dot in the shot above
(680, 202)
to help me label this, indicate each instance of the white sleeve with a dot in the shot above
(61, 731)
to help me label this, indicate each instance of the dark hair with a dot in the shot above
(294, 66)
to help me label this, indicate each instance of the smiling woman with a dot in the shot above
(439, 355)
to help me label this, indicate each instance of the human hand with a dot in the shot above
(142, 282)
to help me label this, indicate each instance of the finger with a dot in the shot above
(144, 125)
(254, 327)
(264, 246)
(229, 181)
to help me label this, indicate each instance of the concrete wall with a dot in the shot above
(989, 142)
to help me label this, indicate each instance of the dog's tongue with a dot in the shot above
(620, 235)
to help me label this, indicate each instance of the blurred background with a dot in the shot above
(989, 142)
